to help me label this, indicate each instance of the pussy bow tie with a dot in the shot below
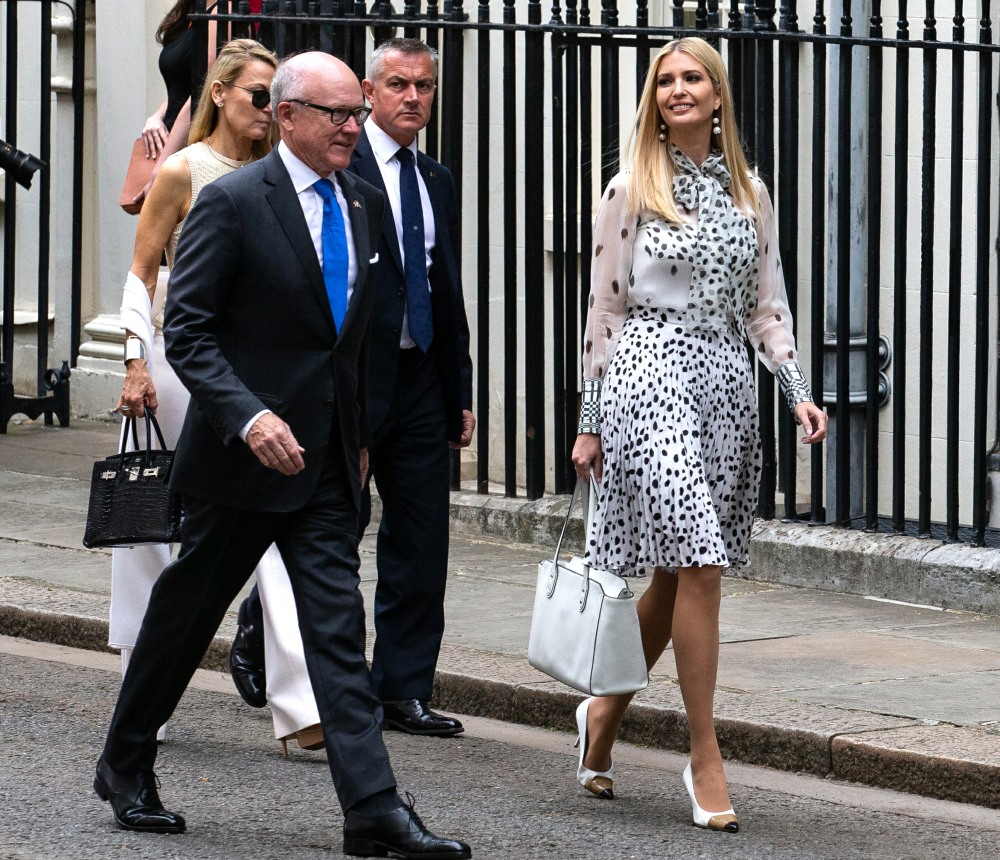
(696, 187)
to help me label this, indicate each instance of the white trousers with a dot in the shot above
(289, 690)
(135, 570)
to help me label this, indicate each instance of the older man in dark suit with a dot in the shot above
(267, 326)
(420, 396)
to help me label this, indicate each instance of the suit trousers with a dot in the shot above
(409, 460)
(219, 550)
(134, 571)
(409, 463)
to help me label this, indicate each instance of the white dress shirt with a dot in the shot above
(385, 149)
(303, 178)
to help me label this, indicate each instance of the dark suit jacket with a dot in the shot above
(249, 327)
(451, 328)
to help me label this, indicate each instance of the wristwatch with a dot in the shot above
(134, 348)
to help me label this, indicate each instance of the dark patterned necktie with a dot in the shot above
(418, 299)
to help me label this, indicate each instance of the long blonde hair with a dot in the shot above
(234, 57)
(651, 181)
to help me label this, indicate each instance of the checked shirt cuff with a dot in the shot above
(590, 409)
(793, 384)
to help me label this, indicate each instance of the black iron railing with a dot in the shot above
(877, 136)
(34, 17)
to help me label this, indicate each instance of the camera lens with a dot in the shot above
(20, 165)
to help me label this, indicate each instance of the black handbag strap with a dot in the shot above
(151, 420)
(131, 424)
(128, 423)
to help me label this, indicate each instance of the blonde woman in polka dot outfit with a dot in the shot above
(686, 269)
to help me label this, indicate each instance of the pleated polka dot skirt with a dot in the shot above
(681, 444)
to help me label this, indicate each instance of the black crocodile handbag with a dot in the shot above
(130, 502)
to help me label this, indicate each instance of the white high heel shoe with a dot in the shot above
(725, 821)
(596, 782)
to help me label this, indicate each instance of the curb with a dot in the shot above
(845, 561)
(831, 756)
(88, 634)
(868, 758)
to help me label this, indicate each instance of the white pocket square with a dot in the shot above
(373, 260)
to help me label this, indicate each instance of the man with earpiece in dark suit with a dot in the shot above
(420, 397)
(267, 325)
(420, 386)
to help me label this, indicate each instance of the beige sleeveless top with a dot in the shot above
(206, 165)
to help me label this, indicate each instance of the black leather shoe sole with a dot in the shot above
(355, 847)
(399, 726)
(105, 794)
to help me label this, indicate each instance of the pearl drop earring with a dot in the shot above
(663, 131)
(716, 128)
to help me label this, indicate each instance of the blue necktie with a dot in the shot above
(334, 251)
(418, 299)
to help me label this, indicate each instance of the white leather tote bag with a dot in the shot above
(584, 628)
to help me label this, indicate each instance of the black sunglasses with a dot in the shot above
(338, 115)
(260, 99)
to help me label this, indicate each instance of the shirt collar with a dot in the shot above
(383, 146)
(301, 174)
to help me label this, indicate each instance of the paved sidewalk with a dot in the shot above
(885, 694)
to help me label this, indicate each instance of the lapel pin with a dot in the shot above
(357, 204)
(433, 175)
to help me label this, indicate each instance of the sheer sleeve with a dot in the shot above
(614, 234)
(769, 325)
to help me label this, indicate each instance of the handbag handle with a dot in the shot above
(151, 420)
(132, 425)
(128, 423)
(585, 585)
(569, 511)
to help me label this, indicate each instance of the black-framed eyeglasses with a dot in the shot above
(338, 115)
(260, 99)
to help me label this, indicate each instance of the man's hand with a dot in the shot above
(272, 441)
(468, 425)
(364, 465)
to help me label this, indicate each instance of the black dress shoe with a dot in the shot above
(246, 658)
(135, 801)
(400, 833)
(415, 718)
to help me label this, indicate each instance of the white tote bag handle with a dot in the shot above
(585, 580)
(572, 503)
